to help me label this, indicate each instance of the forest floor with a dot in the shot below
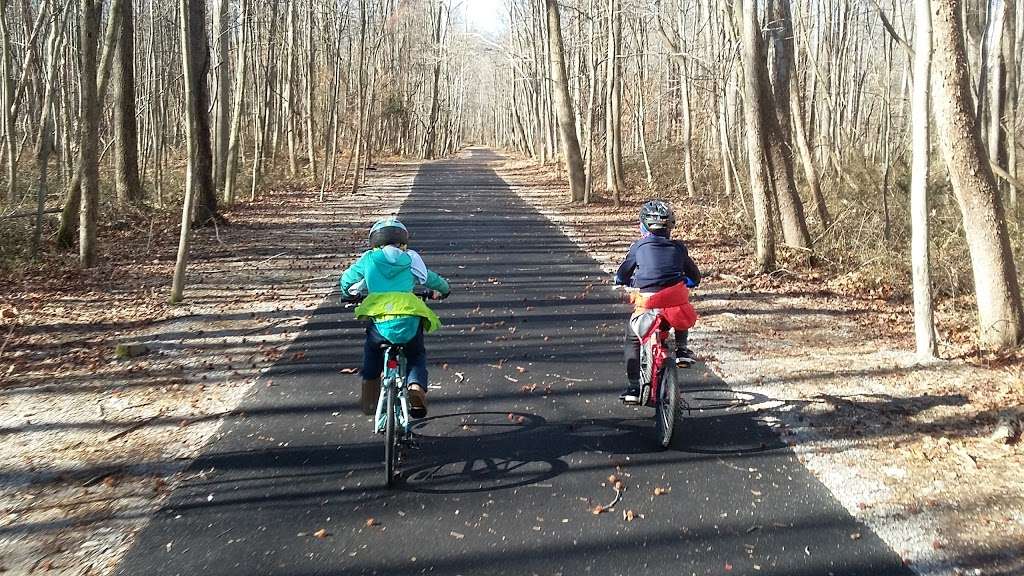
(91, 443)
(925, 454)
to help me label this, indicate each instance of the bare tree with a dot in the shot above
(90, 118)
(222, 73)
(126, 141)
(235, 128)
(753, 61)
(924, 317)
(779, 139)
(563, 101)
(198, 55)
(996, 287)
(195, 57)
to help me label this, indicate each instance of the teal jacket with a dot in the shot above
(389, 275)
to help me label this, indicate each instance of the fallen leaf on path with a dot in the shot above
(371, 522)
(321, 534)
(349, 370)
(659, 491)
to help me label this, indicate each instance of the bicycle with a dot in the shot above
(659, 383)
(392, 417)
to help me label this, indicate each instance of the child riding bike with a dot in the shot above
(389, 272)
(661, 271)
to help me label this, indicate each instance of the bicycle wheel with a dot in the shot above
(667, 411)
(390, 438)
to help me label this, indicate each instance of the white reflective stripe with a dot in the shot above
(357, 288)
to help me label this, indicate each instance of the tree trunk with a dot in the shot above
(289, 92)
(807, 159)
(44, 142)
(613, 177)
(1001, 324)
(753, 61)
(1011, 53)
(90, 119)
(563, 101)
(7, 114)
(235, 129)
(222, 35)
(193, 38)
(310, 95)
(126, 142)
(198, 88)
(431, 136)
(356, 157)
(70, 214)
(920, 253)
(779, 138)
(684, 88)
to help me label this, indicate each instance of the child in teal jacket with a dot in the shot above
(388, 274)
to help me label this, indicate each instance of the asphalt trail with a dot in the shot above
(524, 429)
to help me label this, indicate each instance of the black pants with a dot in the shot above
(632, 351)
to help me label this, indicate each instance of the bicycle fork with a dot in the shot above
(393, 379)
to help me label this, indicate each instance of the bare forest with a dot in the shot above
(794, 121)
(172, 169)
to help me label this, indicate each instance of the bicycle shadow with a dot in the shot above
(473, 452)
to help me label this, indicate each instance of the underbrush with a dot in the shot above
(858, 253)
(121, 225)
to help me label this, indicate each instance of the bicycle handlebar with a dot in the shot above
(421, 293)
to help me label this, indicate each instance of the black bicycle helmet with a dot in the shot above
(388, 231)
(657, 215)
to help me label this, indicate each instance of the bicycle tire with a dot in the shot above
(667, 410)
(390, 438)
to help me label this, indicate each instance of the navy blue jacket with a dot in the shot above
(654, 263)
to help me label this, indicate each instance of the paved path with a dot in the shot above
(524, 429)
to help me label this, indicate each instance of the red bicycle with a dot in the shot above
(659, 384)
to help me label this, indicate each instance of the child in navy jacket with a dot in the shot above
(655, 262)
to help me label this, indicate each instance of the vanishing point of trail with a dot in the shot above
(524, 429)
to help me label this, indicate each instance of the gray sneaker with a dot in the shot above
(631, 395)
(685, 358)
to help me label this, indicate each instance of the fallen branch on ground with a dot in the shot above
(137, 426)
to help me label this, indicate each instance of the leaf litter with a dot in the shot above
(91, 438)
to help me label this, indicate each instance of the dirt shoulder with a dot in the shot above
(92, 443)
(914, 451)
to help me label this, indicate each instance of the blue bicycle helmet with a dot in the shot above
(657, 215)
(388, 231)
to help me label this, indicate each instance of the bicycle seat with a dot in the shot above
(389, 345)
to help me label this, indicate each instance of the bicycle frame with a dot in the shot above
(655, 340)
(649, 328)
(393, 378)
